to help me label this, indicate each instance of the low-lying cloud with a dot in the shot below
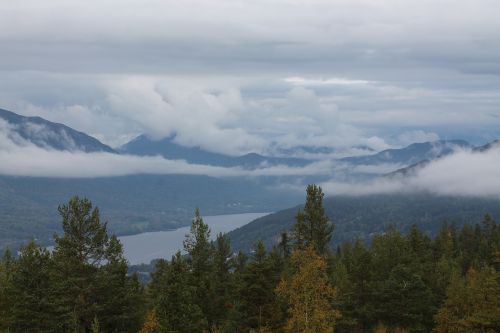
(464, 173)
(22, 158)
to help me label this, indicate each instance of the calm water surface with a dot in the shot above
(143, 248)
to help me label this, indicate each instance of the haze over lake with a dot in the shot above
(143, 248)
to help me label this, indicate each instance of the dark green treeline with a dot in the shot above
(398, 283)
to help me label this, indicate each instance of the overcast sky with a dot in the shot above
(238, 76)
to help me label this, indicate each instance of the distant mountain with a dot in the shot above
(410, 170)
(46, 134)
(414, 168)
(411, 154)
(488, 146)
(143, 146)
(365, 216)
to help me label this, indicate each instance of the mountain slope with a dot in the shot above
(487, 146)
(412, 170)
(366, 216)
(144, 146)
(46, 134)
(411, 154)
(363, 216)
(131, 204)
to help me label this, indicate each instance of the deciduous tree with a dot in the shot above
(309, 294)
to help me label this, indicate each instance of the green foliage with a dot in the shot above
(32, 299)
(395, 283)
(200, 255)
(366, 216)
(120, 297)
(222, 282)
(472, 303)
(401, 281)
(132, 204)
(81, 284)
(6, 299)
(258, 283)
(174, 298)
(312, 226)
(78, 255)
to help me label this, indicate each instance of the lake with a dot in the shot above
(142, 248)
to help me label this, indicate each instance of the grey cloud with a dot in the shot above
(248, 35)
(236, 76)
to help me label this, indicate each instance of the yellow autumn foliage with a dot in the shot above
(309, 294)
(151, 324)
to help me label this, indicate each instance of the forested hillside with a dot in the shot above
(131, 204)
(401, 282)
(366, 216)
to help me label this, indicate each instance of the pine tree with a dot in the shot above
(174, 297)
(221, 281)
(78, 254)
(312, 225)
(257, 291)
(90, 274)
(32, 298)
(355, 294)
(309, 294)
(120, 303)
(407, 300)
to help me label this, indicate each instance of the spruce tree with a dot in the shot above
(200, 254)
(312, 226)
(258, 289)
(119, 296)
(174, 297)
(284, 245)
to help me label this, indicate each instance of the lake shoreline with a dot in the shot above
(143, 247)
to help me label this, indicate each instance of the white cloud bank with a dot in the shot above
(19, 157)
(465, 173)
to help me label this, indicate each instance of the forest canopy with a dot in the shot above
(396, 283)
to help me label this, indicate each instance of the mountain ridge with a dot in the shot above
(166, 147)
(47, 134)
(365, 216)
(410, 154)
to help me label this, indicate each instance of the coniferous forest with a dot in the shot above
(396, 283)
